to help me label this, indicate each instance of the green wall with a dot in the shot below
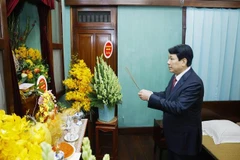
(66, 21)
(144, 36)
(30, 10)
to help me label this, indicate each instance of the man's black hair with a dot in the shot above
(182, 51)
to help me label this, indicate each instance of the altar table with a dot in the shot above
(78, 143)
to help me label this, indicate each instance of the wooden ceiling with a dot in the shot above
(173, 3)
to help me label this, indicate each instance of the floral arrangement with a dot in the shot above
(47, 107)
(23, 139)
(28, 61)
(78, 85)
(48, 114)
(106, 89)
(29, 66)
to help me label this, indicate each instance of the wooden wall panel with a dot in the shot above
(85, 47)
(101, 39)
(221, 110)
(89, 44)
(88, 38)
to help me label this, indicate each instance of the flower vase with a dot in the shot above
(106, 113)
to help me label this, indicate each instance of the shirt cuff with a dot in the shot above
(150, 96)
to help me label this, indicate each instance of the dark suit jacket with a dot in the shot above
(181, 113)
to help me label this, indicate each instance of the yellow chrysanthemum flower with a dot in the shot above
(29, 62)
(17, 139)
(78, 85)
(30, 75)
(38, 55)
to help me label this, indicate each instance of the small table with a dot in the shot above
(81, 132)
(111, 126)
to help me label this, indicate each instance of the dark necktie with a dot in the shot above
(174, 82)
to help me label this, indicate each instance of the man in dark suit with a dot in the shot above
(181, 103)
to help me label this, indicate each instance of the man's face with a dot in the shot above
(175, 66)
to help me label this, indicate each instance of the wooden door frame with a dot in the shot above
(56, 46)
(100, 26)
(4, 46)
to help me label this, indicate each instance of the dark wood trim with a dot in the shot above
(50, 65)
(136, 130)
(49, 36)
(2, 43)
(4, 46)
(212, 3)
(184, 13)
(123, 2)
(210, 110)
(221, 110)
(174, 3)
(96, 25)
(57, 46)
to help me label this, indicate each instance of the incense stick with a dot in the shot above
(132, 78)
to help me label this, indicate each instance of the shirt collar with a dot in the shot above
(178, 77)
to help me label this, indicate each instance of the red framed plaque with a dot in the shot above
(108, 49)
(42, 84)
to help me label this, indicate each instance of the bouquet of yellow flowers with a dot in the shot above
(78, 85)
(30, 65)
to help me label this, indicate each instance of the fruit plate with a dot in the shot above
(67, 149)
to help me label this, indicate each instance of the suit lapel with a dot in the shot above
(169, 87)
(180, 82)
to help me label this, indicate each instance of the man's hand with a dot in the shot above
(144, 94)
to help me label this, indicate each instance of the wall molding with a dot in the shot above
(173, 3)
(136, 130)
